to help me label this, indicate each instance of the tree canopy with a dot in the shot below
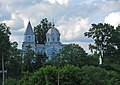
(71, 75)
(106, 39)
(71, 54)
(41, 30)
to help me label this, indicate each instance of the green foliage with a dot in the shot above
(93, 59)
(10, 81)
(14, 63)
(40, 59)
(99, 76)
(41, 30)
(71, 54)
(44, 76)
(71, 75)
(93, 75)
(25, 79)
(106, 41)
(112, 52)
(33, 61)
(112, 78)
(4, 40)
(4, 44)
(28, 61)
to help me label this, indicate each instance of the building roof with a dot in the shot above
(53, 30)
(29, 30)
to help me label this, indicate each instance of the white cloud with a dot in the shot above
(59, 1)
(73, 29)
(16, 38)
(15, 23)
(72, 17)
(113, 18)
(109, 5)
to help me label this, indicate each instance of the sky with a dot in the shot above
(71, 17)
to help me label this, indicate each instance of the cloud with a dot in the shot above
(73, 29)
(113, 18)
(4, 13)
(19, 4)
(72, 17)
(109, 5)
(16, 38)
(15, 23)
(61, 2)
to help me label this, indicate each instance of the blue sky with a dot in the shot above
(72, 17)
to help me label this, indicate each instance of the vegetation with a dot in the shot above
(106, 42)
(41, 30)
(71, 75)
(71, 66)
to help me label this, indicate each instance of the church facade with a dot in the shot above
(52, 45)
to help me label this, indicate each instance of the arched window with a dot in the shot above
(53, 53)
(29, 38)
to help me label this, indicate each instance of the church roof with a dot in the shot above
(53, 30)
(29, 30)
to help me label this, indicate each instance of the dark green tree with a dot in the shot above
(40, 60)
(102, 35)
(112, 52)
(14, 62)
(4, 45)
(28, 60)
(99, 76)
(71, 54)
(70, 75)
(10, 81)
(41, 30)
(44, 76)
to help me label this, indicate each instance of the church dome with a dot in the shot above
(53, 30)
(53, 36)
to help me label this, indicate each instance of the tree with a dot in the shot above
(10, 81)
(102, 35)
(40, 60)
(28, 60)
(4, 40)
(70, 75)
(71, 54)
(99, 76)
(41, 30)
(44, 76)
(14, 62)
(113, 51)
(4, 45)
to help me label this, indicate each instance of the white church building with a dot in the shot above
(52, 45)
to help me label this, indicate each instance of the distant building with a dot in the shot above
(52, 45)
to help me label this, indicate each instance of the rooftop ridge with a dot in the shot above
(29, 30)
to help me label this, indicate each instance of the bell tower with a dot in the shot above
(29, 38)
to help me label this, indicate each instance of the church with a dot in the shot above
(52, 45)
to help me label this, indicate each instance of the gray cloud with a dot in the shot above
(72, 17)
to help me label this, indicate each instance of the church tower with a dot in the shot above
(29, 38)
